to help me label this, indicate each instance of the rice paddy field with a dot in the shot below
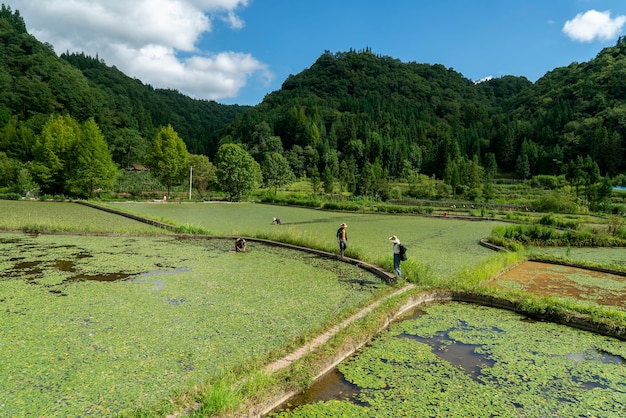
(444, 246)
(560, 281)
(607, 256)
(115, 317)
(39, 216)
(461, 360)
(98, 326)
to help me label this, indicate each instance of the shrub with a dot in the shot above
(540, 235)
(550, 219)
(555, 202)
(341, 206)
(10, 196)
(547, 182)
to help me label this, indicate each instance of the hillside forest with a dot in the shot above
(354, 122)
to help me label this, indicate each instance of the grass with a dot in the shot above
(443, 246)
(36, 216)
(613, 258)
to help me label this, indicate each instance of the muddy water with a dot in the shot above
(331, 386)
(32, 271)
(564, 281)
(532, 277)
(472, 359)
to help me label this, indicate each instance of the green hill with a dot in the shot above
(355, 117)
(35, 83)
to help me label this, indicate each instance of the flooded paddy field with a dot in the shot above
(445, 246)
(456, 359)
(94, 325)
(568, 282)
(615, 256)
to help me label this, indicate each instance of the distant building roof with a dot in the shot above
(137, 167)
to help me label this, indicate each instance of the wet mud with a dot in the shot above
(565, 281)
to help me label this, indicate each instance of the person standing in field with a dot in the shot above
(342, 238)
(396, 256)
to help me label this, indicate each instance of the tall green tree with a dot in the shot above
(328, 180)
(128, 147)
(276, 171)
(315, 179)
(168, 158)
(522, 167)
(204, 173)
(92, 167)
(238, 173)
(17, 140)
(52, 153)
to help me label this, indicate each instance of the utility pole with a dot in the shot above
(190, 181)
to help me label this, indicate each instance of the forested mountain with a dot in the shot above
(354, 117)
(35, 83)
(378, 110)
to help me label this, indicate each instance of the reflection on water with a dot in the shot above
(597, 355)
(466, 357)
(331, 386)
(456, 353)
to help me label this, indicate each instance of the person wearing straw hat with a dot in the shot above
(396, 255)
(342, 238)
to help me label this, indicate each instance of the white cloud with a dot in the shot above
(593, 25)
(155, 41)
(484, 79)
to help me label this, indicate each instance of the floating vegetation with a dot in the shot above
(98, 326)
(465, 360)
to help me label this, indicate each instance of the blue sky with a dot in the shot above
(237, 51)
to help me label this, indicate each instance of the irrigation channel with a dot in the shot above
(444, 356)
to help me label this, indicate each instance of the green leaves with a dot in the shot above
(168, 158)
(237, 172)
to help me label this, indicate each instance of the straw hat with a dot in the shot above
(394, 239)
(343, 226)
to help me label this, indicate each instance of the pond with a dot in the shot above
(458, 359)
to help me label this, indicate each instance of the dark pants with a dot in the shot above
(396, 264)
(343, 244)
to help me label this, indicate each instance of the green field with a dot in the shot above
(139, 319)
(36, 216)
(443, 245)
(600, 255)
(94, 325)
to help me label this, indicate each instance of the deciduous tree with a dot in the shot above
(204, 173)
(238, 173)
(52, 155)
(92, 167)
(168, 158)
(276, 171)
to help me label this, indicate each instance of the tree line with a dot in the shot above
(355, 119)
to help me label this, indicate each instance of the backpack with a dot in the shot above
(403, 252)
